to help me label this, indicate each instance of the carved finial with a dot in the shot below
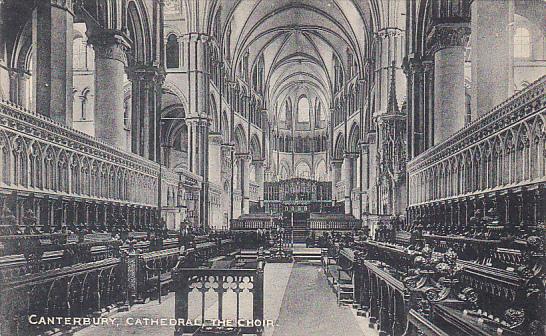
(392, 107)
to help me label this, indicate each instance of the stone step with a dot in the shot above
(345, 288)
(346, 302)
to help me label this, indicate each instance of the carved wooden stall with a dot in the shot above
(421, 287)
(87, 277)
(76, 281)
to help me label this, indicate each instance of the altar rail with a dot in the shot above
(503, 148)
(330, 222)
(255, 221)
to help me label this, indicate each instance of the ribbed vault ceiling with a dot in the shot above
(298, 39)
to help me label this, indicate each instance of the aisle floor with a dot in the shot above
(297, 298)
(309, 307)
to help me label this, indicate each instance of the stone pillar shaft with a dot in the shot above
(336, 177)
(364, 167)
(259, 171)
(447, 43)
(52, 30)
(215, 161)
(390, 42)
(244, 162)
(349, 161)
(110, 62)
(492, 58)
(145, 96)
(414, 70)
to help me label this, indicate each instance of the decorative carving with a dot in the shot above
(388, 32)
(64, 4)
(514, 317)
(110, 45)
(151, 75)
(518, 107)
(469, 295)
(446, 36)
(56, 141)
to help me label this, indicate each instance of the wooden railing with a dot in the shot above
(233, 296)
(417, 324)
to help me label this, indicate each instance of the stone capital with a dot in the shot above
(336, 163)
(67, 5)
(197, 37)
(110, 44)
(244, 156)
(447, 36)
(412, 65)
(197, 121)
(215, 138)
(364, 147)
(387, 32)
(351, 155)
(258, 162)
(145, 73)
(428, 66)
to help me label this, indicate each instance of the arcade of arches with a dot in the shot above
(227, 114)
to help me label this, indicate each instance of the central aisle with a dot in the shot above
(309, 307)
(296, 296)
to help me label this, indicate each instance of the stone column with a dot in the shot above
(427, 104)
(336, 176)
(197, 58)
(215, 159)
(364, 166)
(346, 177)
(390, 44)
(447, 42)
(19, 82)
(198, 135)
(492, 57)
(52, 23)
(259, 170)
(414, 70)
(110, 62)
(146, 92)
(244, 159)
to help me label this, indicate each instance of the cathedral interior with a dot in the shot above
(297, 167)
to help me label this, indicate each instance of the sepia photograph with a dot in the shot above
(273, 167)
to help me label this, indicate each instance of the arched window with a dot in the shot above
(127, 112)
(522, 43)
(303, 109)
(83, 98)
(172, 52)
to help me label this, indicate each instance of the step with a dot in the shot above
(346, 296)
(345, 302)
(346, 288)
